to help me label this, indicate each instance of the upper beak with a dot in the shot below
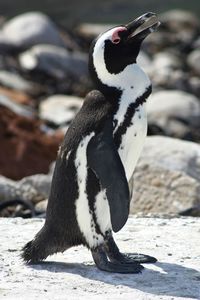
(142, 26)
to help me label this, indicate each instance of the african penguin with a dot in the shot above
(90, 194)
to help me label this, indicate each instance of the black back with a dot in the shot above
(64, 189)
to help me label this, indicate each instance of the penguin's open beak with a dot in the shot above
(141, 27)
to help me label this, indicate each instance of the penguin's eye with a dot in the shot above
(116, 35)
(116, 41)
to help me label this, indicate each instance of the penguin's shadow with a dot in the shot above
(165, 279)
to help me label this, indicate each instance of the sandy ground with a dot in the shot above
(72, 275)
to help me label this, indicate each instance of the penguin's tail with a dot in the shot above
(37, 249)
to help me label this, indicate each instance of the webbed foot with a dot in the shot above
(115, 255)
(101, 261)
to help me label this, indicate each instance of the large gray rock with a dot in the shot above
(60, 109)
(55, 61)
(167, 177)
(175, 112)
(29, 29)
(72, 274)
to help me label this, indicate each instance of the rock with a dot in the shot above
(8, 189)
(15, 81)
(193, 211)
(158, 41)
(194, 61)
(166, 70)
(167, 177)
(35, 188)
(60, 109)
(73, 273)
(32, 189)
(55, 61)
(16, 108)
(17, 96)
(41, 206)
(25, 148)
(179, 29)
(166, 60)
(29, 29)
(180, 20)
(177, 113)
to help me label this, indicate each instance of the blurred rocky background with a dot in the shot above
(43, 81)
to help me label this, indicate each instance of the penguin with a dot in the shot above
(90, 196)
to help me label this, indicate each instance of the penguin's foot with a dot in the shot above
(101, 261)
(136, 257)
(115, 255)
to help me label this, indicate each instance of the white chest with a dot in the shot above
(133, 140)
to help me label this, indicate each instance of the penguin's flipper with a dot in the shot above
(104, 160)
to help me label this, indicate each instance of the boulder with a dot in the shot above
(167, 177)
(176, 112)
(29, 29)
(55, 61)
(26, 148)
(60, 109)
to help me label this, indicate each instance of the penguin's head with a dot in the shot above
(119, 47)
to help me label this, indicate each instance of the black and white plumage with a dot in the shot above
(90, 194)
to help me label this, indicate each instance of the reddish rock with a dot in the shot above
(25, 148)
